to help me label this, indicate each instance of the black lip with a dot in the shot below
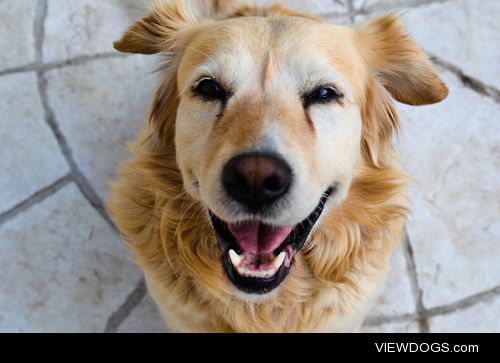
(296, 239)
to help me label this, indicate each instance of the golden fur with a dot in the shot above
(340, 270)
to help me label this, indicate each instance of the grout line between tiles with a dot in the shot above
(468, 81)
(416, 290)
(76, 174)
(384, 319)
(484, 296)
(75, 61)
(83, 59)
(351, 11)
(23, 69)
(36, 198)
(130, 303)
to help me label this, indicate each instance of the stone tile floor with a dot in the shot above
(69, 103)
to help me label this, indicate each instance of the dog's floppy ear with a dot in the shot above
(166, 21)
(399, 64)
(156, 32)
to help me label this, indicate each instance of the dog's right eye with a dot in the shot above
(210, 90)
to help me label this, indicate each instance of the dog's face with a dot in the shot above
(268, 130)
(270, 127)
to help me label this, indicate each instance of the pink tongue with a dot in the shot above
(256, 238)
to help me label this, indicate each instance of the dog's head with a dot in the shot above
(275, 112)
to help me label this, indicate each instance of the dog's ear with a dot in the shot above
(167, 21)
(399, 64)
(156, 32)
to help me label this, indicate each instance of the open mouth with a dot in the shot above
(258, 257)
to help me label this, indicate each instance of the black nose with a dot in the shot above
(256, 180)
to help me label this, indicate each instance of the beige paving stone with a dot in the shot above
(145, 318)
(462, 32)
(30, 158)
(83, 27)
(100, 106)
(395, 327)
(452, 150)
(397, 298)
(17, 41)
(368, 6)
(457, 31)
(63, 268)
(482, 317)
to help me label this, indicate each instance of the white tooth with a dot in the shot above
(278, 261)
(235, 258)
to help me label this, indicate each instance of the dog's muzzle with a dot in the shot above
(257, 256)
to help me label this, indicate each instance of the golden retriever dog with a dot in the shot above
(264, 194)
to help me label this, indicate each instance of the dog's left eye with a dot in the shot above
(210, 90)
(323, 94)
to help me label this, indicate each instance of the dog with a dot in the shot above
(264, 193)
